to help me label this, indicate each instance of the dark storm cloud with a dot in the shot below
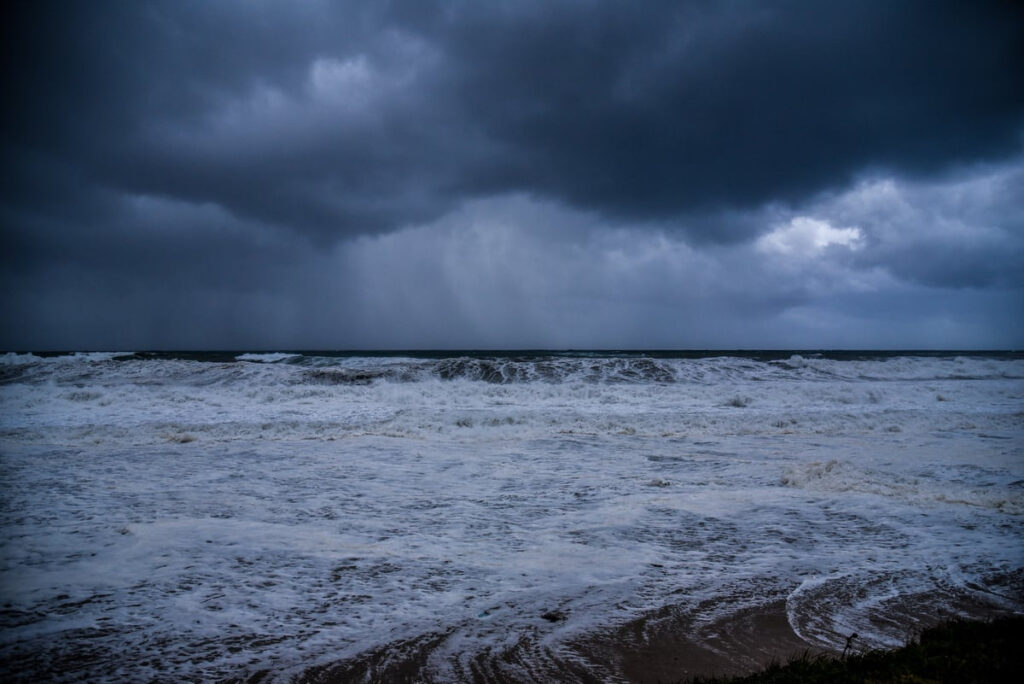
(740, 103)
(569, 173)
(652, 111)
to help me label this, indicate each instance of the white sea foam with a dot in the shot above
(169, 518)
(912, 488)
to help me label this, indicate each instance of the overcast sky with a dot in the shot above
(307, 174)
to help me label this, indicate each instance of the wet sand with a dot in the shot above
(677, 646)
(668, 646)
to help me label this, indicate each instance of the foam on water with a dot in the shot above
(169, 517)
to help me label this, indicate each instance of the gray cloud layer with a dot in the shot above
(512, 174)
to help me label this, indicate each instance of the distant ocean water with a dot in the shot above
(222, 514)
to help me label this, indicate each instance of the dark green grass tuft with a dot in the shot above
(960, 652)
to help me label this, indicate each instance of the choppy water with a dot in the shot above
(202, 516)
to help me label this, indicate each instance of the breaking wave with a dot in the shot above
(502, 369)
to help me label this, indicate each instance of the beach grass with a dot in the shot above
(959, 651)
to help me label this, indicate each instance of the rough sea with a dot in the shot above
(483, 516)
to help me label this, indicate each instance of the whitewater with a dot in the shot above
(491, 516)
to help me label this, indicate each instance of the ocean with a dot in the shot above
(485, 516)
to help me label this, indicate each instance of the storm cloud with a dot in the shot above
(541, 174)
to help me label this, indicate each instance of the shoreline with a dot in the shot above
(672, 644)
